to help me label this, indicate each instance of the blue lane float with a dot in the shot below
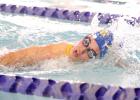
(49, 12)
(106, 18)
(65, 14)
(65, 90)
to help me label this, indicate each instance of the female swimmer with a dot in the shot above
(89, 47)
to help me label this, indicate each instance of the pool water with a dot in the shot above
(21, 31)
(12, 96)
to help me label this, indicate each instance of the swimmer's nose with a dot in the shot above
(76, 53)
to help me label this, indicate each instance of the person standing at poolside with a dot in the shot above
(91, 46)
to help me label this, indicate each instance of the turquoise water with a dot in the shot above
(12, 96)
(18, 31)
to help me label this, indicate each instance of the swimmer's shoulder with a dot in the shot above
(51, 45)
(63, 43)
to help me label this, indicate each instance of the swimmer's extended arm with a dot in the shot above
(32, 55)
(23, 57)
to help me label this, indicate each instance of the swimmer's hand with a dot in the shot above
(121, 63)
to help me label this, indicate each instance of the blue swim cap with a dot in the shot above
(104, 39)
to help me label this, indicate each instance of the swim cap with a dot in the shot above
(104, 39)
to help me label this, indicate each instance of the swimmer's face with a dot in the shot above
(85, 49)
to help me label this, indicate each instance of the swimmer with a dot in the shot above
(91, 46)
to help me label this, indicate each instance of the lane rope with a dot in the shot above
(65, 90)
(65, 14)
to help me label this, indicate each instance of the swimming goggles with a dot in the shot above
(90, 52)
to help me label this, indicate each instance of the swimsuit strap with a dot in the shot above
(68, 49)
